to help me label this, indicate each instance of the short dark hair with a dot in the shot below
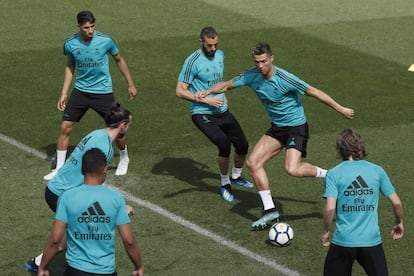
(209, 32)
(350, 144)
(93, 161)
(85, 16)
(117, 115)
(262, 48)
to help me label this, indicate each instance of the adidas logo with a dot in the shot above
(358, 187)
(206, 119)
(95, 213)
(292, 142)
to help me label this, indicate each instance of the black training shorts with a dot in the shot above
(79, 102)
(339, 260)
(51, 199)
(295, 137)
(223, 130)
(70, 271)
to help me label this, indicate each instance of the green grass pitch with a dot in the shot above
(358, 52)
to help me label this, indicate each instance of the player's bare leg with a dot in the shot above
(265, 149)
(61, 148)
(295, 167)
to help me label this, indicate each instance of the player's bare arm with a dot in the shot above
(67, 80)
(52, 245)
(132, 248)
(182, 91)
(328, 216)
(220, 87)
(328, 100)
(123, 67)
(397, 230)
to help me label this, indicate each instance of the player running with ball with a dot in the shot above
(279, 91)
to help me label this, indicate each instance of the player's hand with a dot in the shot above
(130, 210)
(132, 92)
(397, 231)
(43, 272)
(201, 94)
(214, 101)
(138, 272)
(348, 113)
(61, 105)
(325, 238)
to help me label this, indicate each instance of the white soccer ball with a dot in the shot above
(281, 234)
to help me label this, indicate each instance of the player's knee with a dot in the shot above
(292, 170)
(252, 165)
(66, 129)
(242, 151)
(242, 148)
(224, 149)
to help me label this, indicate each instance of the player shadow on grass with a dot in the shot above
(250, 206)
(51, 153)
(186, 170)
(247, 202)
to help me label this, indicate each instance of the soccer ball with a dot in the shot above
(280, 234)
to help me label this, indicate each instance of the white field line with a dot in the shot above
(175, 218)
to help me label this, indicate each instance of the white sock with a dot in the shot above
(60, 158)
(123, 154)
(236, 173)
(321, 172)
(267, 200)
(38, 259)
(225, 179)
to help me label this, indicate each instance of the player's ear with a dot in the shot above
(104, 174)
(124, 124)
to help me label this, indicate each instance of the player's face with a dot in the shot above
(264, 63)
(86, 30)
(209, 46)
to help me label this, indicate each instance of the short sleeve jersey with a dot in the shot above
(92, 214)
(202, 73)
(279, 95)
(91, 61)
(356, 186)
(70, 175)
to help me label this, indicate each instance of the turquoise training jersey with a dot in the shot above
(92, 62)
(356, 186)
(70, 174)
(92, 214)
(279, 95)
(201, 73)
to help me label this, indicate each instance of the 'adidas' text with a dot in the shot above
(359, 192)
(88, 219)
(358, 187)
